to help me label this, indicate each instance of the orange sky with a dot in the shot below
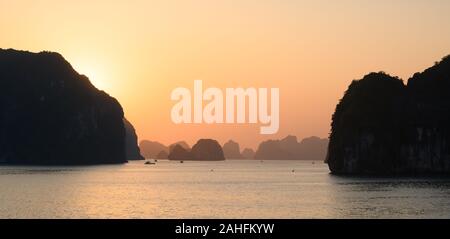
(139, 51)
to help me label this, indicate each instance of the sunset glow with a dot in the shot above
(139, 51)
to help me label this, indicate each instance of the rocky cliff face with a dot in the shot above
(232, 150)
(50, 114)
(132, 150)
(382, 126)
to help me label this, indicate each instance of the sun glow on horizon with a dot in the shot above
(139, 51)
(96, 72)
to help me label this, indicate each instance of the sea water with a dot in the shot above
(228, 189)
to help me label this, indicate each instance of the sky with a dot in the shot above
(140, 51)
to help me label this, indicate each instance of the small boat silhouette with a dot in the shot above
(149, 163)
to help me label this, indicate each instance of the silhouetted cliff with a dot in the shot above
(50, 114)
(382, 126)
(232, 150)
(132, 149)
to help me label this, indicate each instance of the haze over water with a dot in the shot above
(229, 189)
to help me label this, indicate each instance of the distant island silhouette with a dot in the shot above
(288, 148)
(384, 127)
(182, 144)
(311, 148)
(180, 153)
(157, 150)
(162, 155)
(50, 114)
(232, 150)
(150, 149)
(248, 153)
(203, 150)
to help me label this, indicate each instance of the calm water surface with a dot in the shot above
(230, 189)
